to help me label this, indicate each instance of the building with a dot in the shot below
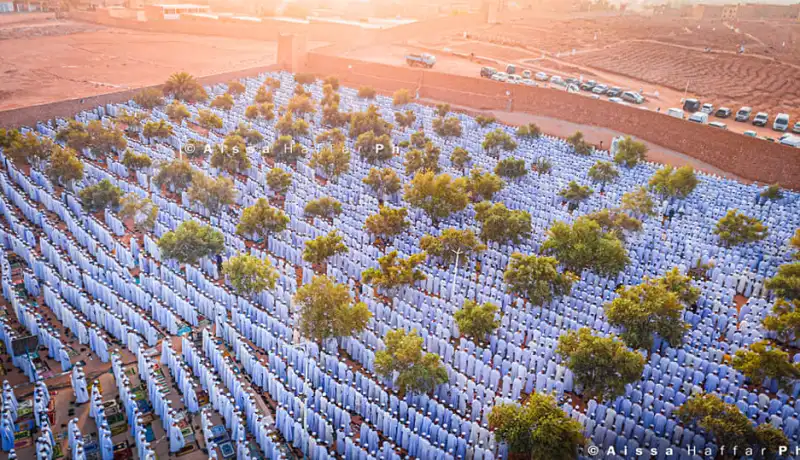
(173, 11)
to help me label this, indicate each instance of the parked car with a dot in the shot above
(707, 108)
(781, 122)
(572, 81)
(791, 141)
(633, 96)
(526, 74)
(600, 89)
(528, 82)
(588, 85)
(511, 69)
(744, 114)
(796, 127)
(487, 72)
(750, 133)
(691, 105)
(500, 76)
(514, 79)
(718, 124)
(614, 91)
(699, 117)
(556, 80)
(617, 100)
(761, 119)
(676, 113)
(723, 112)
(421, 60)
(540, 76)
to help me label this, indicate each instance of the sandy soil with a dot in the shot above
(37, 68)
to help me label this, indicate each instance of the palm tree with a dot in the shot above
(183, 86)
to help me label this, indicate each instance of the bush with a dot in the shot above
(401, 96)
(367, 92)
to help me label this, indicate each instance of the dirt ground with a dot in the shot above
(51, 60)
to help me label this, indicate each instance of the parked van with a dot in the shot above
(699, 117)
(781, 122)
(691, 105)
(744, 114)
(677, 113)
(511, 69)
(632, 96)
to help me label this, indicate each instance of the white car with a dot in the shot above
(500, 76)
(617, 100)
(676, 113)
(514, 79)
(541, 76)
(556, 80)
(528, 82)
(699, 117)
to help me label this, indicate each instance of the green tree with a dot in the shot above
(325, 207)
(401, 97)
(680, 285)
(232, 156)
(405, 119)
(511, 168)
(670, 182)
(374, 149)
(529, 131)
(630, 152)
(263, 96)
(286, 150)
(300, 106)
(368, 120)
(773, 192)
(262, 220)
(331, 116)
(542, 166)
(574, 193)
(100, 196)
(647, 309)
(235, 88)
(214, 194)
(638, 202)
(75, 136)
(157, 129)
(786, 320)
(28, 148)
(419, 140)
(417, 160)
(417, 372)
(141, 211)
(332, 160)
(327, 311)
(148, 98)
(786, 283)
(223, 101)
(330, 97)
(206, 119)
(136, 162)
(104, 140)
(176, 175)
(387, 223)
(451, 245)
(252, 112)
(737, 228)
(249, 275)
(132, 120)
(320, 249)
(459, 158)
(177, 112)
(615, 222)
(190, 242)
(485, 120)
(279, 180)
(538, 430)
(394, 272)
(65, 167)
(439, 196)
(442, 110)
(332, 81)
(579, 144)
(501, 224)
(603, 172)
(184, 87)
(367, 92)
(795, 243)
(447, 127)
(332, 137)
(498, 140)
(383, 182)
(477, 321)
(8, 136)
(602, 365)
(537, 279)
(727, 425)
(584, 245)
(762, 361)
(250, 136)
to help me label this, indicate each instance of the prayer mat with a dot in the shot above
(187, 449)
(119, 428)
(148, 433)
(58, 451)
(227, 450)
(219, 434)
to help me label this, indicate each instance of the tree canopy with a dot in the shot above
(157, 129)
(333, 161)
(498, 140)
(447, 127)
(764, 360)
(482, 185)
(615, 222)
(394, 272)
(325, 207)
(451, 242)
(249, 275)
(208, 119)
(286, 150)
(28, 148)
(190, 242)
(142, 211)
(501, 224)
(511, 168)
(232, 156)
(773, 192)
(485, 120)
(439, 196)
(630, 152)
(602, 365)
(405, 119)
(300, 105)
(736, 228)
(65, 167)
(383, 182)
(542, 166)
(262, 220)
(417, 372)
(323, 247)
(100, 196)
(368, 120)
(537, 278)
(184, 87)
(539, 429)
(670, 182)
(638, 202)
(177, 112)
(786, 283)
(477, 321)
(387, 223)
(327, 311)
(401, 97)
(136, 162)
(149, 98)
(574, 193)
(579, 144)
(603, 172)
(460, 157)
(214, 194)
(785, 320)
(584, 245)
(529, 131)
(374, 149)
(367, 92)
(177, 175)
(287, 126)
(279, 180)
(417, 160)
